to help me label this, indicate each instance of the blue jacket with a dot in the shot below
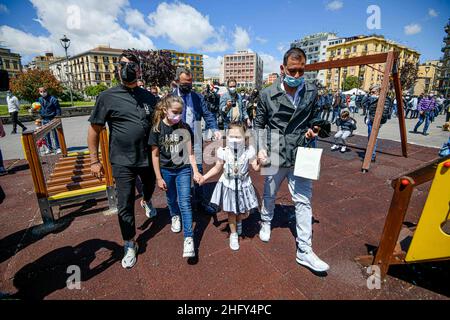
(201, 110)
(49, 107)
(223, 105)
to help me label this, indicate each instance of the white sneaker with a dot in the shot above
(189, 251)
(234, 241)
(310, 260)
(334, 147)
(264, 233)
(58, 151)
(129, 259)
(150, 211)
(343, 149)
(176, 224)
(47, 151)
(239, 228)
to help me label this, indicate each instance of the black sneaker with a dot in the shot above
(13, 132)
(425, 134)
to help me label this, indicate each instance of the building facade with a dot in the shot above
(43, 62)
(363, 46)
(89, 68)
(444, 74)
(11, 62)
(315, 47)
(427, 78)
(245, 67)
(272, 78)
(191, 61)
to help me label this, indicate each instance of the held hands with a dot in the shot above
(198, 178)
(312, 133)
(162, 184)
(263, 158)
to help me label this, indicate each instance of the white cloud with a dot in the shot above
(183, 25)
(412, 29)
(3, 8)
(335, 5)
(283, 47)
(211, 65)
(241, 39)
(432, 13)
(271, 64)
(218, 42)
(98, 25)
(135, 20)
(24, 43)
(261, 40)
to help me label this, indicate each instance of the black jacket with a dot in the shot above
(276, 114)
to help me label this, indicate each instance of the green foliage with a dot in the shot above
(65, 95)
(26, 85)
(93, 91)
(350, 82)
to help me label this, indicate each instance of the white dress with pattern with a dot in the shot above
(224, 194)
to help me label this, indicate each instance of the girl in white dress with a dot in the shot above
(234, 191)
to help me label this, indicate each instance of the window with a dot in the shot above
(7, 65)
(16, 67)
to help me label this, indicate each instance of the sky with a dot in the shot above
(215, 28)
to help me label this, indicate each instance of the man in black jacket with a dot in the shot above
(287, 112)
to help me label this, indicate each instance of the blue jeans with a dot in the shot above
(178, 194)
(423, 118)
(369, 127)
(48, 136)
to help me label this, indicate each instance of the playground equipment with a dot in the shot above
(391, 67)
(65, 178)
(431, 238)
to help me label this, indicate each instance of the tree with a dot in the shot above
(350, 82)
(408, 75)
(65, 95)
(93, 91)
(26, 85)
(157, 67)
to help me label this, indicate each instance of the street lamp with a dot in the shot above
(65, 43)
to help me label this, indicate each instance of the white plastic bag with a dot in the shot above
(307, 163)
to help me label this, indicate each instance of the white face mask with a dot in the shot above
(235, 143)
(43, 94)
(232, 90)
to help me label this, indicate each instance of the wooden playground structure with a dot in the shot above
(430, 239)
(391, 68)
(67, 178)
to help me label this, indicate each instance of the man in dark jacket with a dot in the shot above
(196, 109)
(287, 115)
(49, 110)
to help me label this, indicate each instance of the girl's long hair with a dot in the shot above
(163, 105)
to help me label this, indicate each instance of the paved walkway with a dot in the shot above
(349, 212)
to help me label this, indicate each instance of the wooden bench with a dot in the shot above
(70, 180)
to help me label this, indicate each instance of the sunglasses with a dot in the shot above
(132, 64)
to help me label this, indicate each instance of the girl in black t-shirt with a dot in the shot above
(173, 157)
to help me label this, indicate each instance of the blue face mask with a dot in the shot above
(294, 82)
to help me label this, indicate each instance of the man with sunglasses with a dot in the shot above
(128, 111)
(288, 108)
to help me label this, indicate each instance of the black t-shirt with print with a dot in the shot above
(173, 143)
(128, 113)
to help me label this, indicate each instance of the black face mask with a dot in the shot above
(185, 88)
(128, 72)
